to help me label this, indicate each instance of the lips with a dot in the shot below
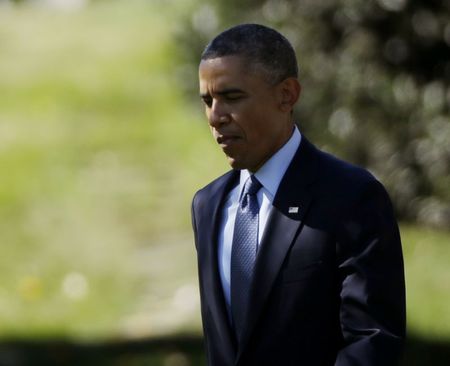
(225, 140)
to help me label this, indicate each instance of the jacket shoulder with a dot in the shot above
(341, 175)
(212, 189)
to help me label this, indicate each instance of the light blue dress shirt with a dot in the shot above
(269, 175)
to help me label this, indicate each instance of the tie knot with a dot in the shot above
(252, 186)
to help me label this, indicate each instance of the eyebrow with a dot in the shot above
(224, 92)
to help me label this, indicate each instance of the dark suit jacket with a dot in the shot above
(328, 283)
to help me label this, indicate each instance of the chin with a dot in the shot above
(236, 164)
(240, 165)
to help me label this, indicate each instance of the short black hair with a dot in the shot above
(261, 45)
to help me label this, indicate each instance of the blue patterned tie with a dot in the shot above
(243, 253)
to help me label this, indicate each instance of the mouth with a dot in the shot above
(226, 140)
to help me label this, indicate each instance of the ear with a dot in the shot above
(289, 92)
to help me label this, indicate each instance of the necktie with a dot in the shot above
(243, 253)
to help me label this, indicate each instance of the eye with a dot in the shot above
(233, 97)
(207, 101)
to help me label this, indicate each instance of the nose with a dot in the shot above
(218, 114)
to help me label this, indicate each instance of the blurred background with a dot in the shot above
(103, 142)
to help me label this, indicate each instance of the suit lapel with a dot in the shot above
(290, 206)
(210, 279)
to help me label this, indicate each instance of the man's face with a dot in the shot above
(243, 111)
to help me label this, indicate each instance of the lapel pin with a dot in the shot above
(293, 210)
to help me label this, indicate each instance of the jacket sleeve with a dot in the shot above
(372, 292)
(194, 224)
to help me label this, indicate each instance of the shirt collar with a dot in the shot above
(271, 173)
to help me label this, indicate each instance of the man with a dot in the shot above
(299, 254)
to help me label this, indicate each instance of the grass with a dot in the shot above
(427, 252)
(100, 155)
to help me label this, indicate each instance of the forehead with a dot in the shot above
(222, 64)
(227, 71)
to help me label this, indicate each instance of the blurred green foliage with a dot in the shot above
(375, 78)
